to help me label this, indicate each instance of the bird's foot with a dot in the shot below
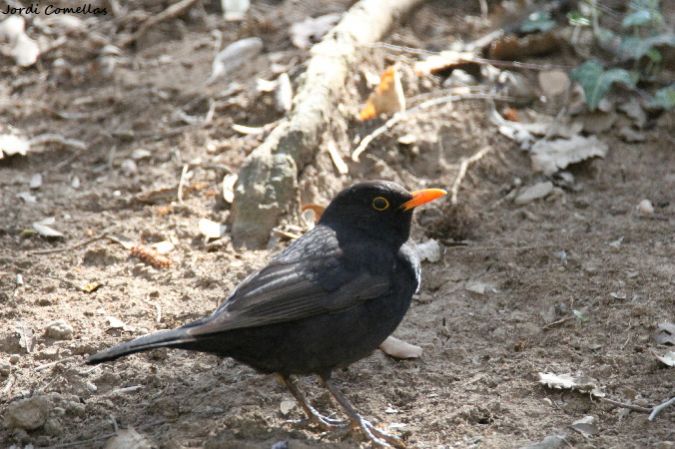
(377, 436)
(326, 423)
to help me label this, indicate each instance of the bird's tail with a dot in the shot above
(175, 338)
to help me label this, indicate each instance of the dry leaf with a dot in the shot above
(310, 30)
(234, 55)
(151, 257)
(45, 230)
(11, 144)
(667, 359)
(553, 83)
(585, 426)
(127, 439)
(569, 382)
(514, 48)
(533, 192)
(91, 287)
(665, 334)
(283, 94)
(388, 97)
(210, 229)
(430, 250)
(549, 156)
(445, 62)
(480, 287)
(229, 182)
(399, 349)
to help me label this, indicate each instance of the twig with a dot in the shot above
(363, 145)
(462, 172)
(181, 183)
(635, 408)
(556, 323)
(58, 138)
(172, 11)
(659, 408)
(70, 248)
(44, 366)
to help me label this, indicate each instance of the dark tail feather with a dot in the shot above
(172, 338)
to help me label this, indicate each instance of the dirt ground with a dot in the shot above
(574, 284)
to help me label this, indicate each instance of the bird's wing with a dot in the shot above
(298, 284)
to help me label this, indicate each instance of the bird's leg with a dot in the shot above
(313, 414)
(374, 434)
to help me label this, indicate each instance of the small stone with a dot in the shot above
(129, 167)
(533, 192)
(59, 330)
(5, 368)
(645, 208)
(28, 414)
(14, 359)
(35, 181)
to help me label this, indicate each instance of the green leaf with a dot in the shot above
(664, 98)
(537, 21)
(596, 81)
(637, 18)
(633, 47)
(576, 18)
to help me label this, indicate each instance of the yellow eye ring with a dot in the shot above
(380, 203)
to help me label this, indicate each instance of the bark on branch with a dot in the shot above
(268, 178)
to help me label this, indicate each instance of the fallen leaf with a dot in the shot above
(127, 439)
(26, 336)
(514, 48)
(35, 181)
(235, 10)
(11, 144)
(585, 426)
(229, 181)
(150, 257)
(549, 156)
(533, 192)
(568, 382)
(387, 98)
(667, 359)
(633, 109)
(430, 251)
(400, 349)
(45, 230)
(553, 83)
(286, 406)
(480, 287)
(234, 55)
(283, 94)
(665, 334)
(630, 135)
(91, 287)
(210, 229)
(310, 30)
(446, 61)
(549, 442)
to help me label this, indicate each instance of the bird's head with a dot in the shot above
(382, 209)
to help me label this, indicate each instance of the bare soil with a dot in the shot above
(576, 283)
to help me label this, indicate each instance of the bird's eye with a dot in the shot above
(380, 203)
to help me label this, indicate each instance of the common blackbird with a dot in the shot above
(326, 301)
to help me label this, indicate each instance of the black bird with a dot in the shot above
(326, 301)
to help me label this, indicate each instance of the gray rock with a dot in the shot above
(28, 414)
(533, 192)
(59, 330)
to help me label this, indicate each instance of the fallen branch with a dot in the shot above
(267, 179)
(659, 408)
(172, 11)
(635, 408)
(70, 248)
(463, 167)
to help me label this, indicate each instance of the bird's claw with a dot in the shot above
(377, 436)
(327, 423)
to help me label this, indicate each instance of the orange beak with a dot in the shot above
(422, 197)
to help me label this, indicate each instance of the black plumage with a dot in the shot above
(326, 301)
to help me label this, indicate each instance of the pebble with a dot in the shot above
(14, 359)
(645, 208)
(129, 167)
(59, 330)
(5, 368)
(533, 192)
(28, 414)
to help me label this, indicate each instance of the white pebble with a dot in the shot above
(645, 208)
